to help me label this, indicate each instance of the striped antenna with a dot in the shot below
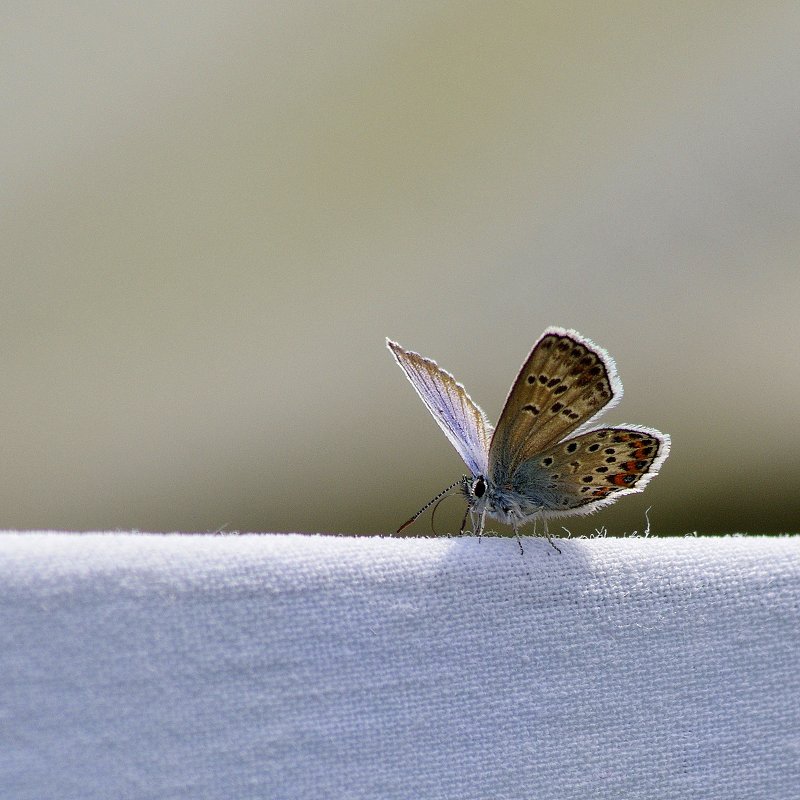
(427, 505)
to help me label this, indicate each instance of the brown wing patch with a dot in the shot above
(565, 381)
(595, 466)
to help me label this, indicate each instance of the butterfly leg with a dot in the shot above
(547, 536)
(482, 523)
(473, 519)
(519, 541)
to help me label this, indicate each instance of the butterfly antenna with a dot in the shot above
(438, 503)
(427, 505)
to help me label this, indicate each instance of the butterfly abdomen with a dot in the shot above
(513, 501)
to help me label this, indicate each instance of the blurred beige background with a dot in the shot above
(213, 214)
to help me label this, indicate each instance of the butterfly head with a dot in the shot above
(476, 490)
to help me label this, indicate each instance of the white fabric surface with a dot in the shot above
(287, 666)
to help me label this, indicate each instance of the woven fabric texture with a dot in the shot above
(288, 667)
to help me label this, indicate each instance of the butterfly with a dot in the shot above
(542, 460)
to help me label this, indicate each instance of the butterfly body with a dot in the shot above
(543, 460)
(512, 504)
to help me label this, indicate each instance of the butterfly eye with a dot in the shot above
(479, 487)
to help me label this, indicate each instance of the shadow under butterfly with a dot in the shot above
(542, 460)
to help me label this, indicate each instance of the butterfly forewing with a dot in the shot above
(565, 381)
(593, 469)
(462, 421)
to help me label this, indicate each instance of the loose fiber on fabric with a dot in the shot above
(297, 667)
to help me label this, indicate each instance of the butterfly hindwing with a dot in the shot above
(462, 421)
(595, 468)
(565, 382)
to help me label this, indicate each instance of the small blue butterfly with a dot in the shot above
(541, 461)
